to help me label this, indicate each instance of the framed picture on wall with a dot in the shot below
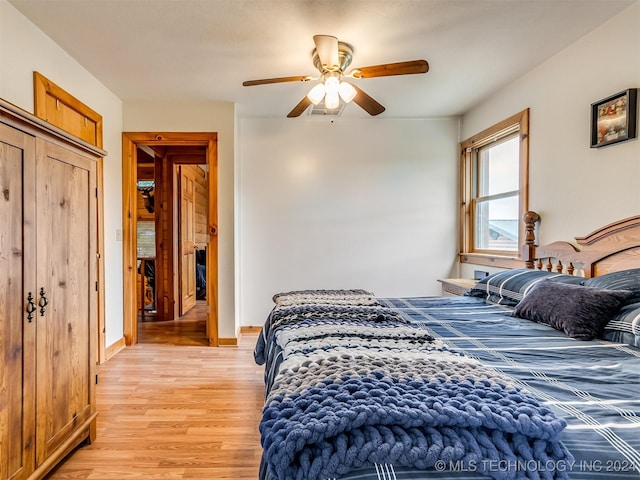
(614, 119)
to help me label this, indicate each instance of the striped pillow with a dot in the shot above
(622, 280)
(625, 326)
(509, 286)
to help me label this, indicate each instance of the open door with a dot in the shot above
(187, 241)
(163, 144)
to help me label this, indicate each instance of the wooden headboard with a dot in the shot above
(611, 248)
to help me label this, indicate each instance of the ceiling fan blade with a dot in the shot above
(300, 107)
(265, 81)
(367, 102)
(388, 69)
(327, 49)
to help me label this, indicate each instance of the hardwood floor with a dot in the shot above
(169, 411)
(190, 329)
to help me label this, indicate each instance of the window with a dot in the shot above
(494, 192)
(146, 239)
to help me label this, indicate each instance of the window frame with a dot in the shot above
(518, 124)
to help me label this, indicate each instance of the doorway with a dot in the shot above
(174, 156)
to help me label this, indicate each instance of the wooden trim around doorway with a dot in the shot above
(130, 142)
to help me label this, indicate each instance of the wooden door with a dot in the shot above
(187, 240)
(17, 282)
(66, 296)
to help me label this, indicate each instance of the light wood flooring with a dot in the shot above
(172, 408)
(190, 329)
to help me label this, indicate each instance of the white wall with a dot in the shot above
(366, 203)
(23, 49)
(202, 116)
(573, 187)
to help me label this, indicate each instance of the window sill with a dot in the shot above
(491, 260)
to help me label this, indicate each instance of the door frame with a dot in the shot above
(130, 142)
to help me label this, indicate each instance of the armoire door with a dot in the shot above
(17, 303)
(66, 296)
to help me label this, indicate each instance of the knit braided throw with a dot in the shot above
(332, 412)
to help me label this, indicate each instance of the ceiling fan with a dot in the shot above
(332, 58)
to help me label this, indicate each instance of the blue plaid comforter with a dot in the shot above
(441, 387)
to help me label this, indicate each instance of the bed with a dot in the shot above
(534, 374)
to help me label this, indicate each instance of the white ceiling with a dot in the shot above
(204, 49)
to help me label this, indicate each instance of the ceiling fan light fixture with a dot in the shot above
(331, 58)
(316, 94)
(332, 100)
(331, 85)
(347, 92)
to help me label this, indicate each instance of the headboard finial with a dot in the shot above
(531, 217)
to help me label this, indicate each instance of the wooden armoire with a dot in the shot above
(47, 294)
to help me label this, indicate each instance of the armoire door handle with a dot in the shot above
(44, 301)
(31, 307)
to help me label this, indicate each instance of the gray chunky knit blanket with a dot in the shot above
(351, 394)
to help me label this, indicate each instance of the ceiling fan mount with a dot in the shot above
(345, 56)
(331, 58)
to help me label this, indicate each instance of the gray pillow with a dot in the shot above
(578, 311)
(624, 327)
(508, 287)
(622, 280)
